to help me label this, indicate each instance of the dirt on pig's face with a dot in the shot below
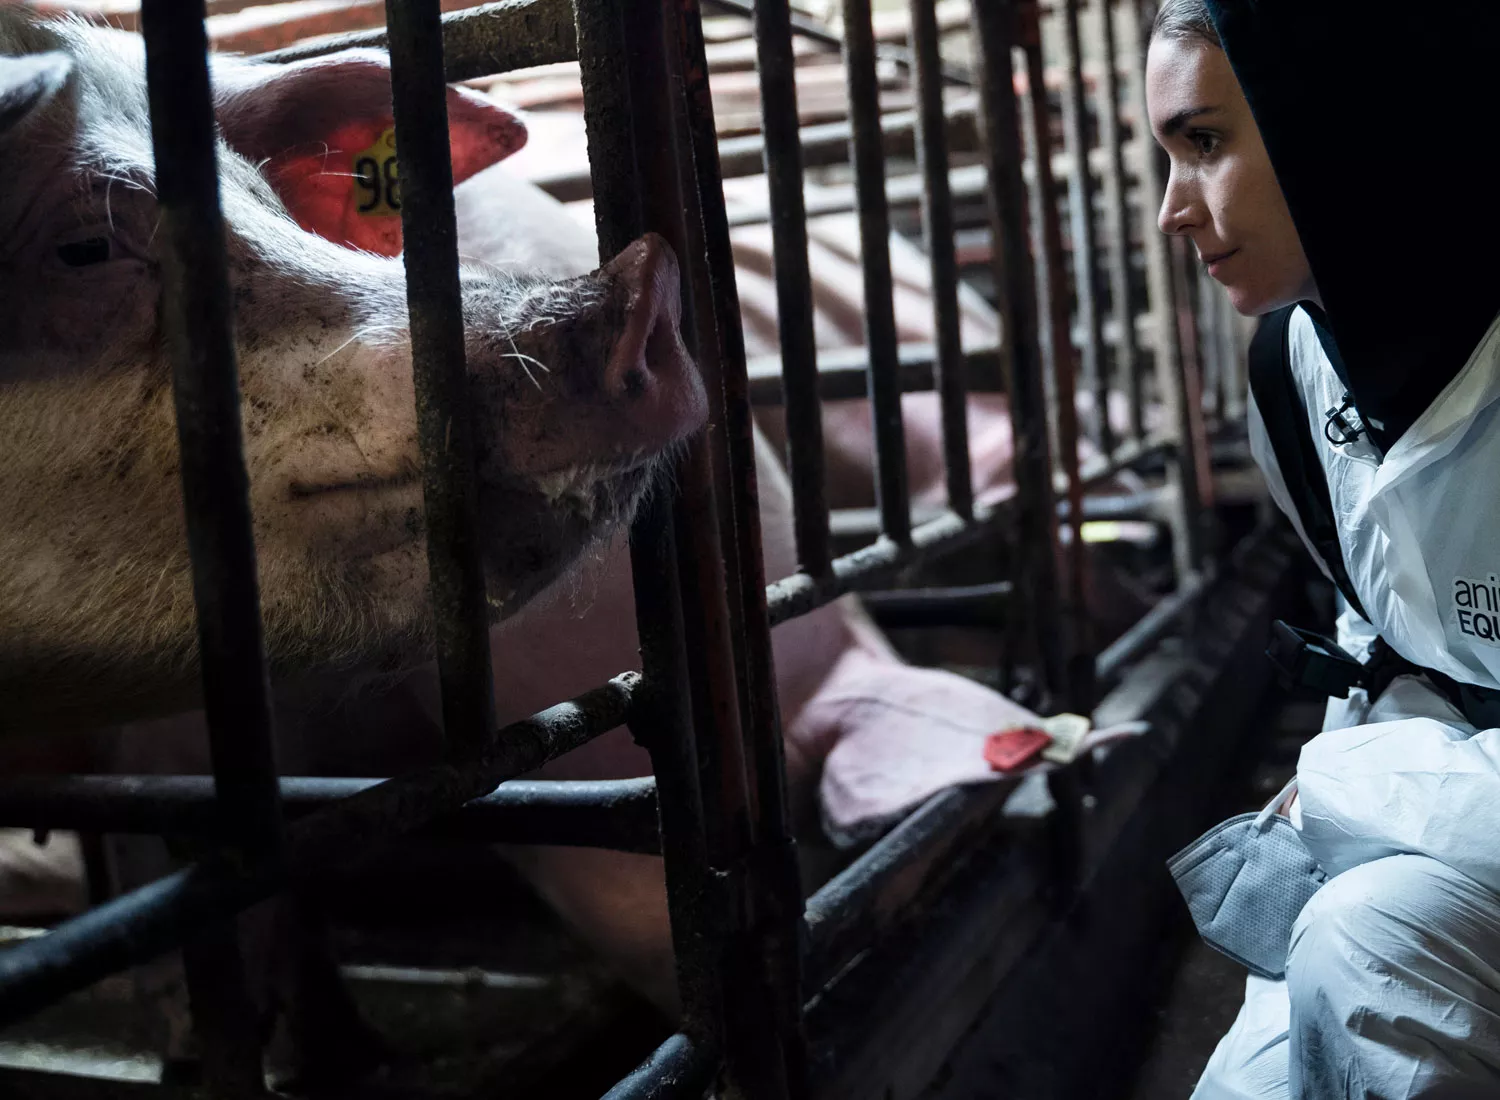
(96, 606)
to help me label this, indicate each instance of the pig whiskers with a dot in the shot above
(522, 358)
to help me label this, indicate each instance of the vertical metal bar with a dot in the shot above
(1166, 341)
(1194, 431)
(875, 245)
(769, 956)
(1085, 240)
(199, 322)
(1127, 357)
(938, 230)
(1051, 276)
(616, 97)
(444, 427)
(794, 295)
(1234, 358)
(1035, 535)
(1210, 362)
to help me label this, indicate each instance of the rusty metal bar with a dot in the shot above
(799, 375)
(682, 1068)
(1167, 349)
(1127, 354)
(142, 924)
(764, 1044)
(1035, 533)
(1085, 239)
(198, 319)
(445, 428)
(616, 97)
(492, 38)
(842, 373)
(614, 814)
(891, 493)
(938, 231)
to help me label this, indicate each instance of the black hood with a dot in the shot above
(1380, 121)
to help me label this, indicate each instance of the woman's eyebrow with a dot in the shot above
(1175, 124)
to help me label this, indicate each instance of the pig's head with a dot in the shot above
(579, 388)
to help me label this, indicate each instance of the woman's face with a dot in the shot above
(1222, 193)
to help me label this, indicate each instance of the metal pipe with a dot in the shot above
(142, 924)
(842, 375)
(616, 814)
(868, 160)
(980, 605)
(198, 319)
(492, 38)
(1085, 240)
(799, 374)
(682, 1068)
(1034, 538)
(445, 428)
(938, 232)
(1127, 359)
(1073, 626)
(1151, 627)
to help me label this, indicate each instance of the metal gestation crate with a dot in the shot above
(751, 951)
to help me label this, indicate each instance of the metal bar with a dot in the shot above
(492, 38)
(891, 494)
(1167, 344)
(1085, 240)
(662, 721)
(798, 594)
(842, 374)
(445, 428)
(1194, 433)
(938, 231)
(1034, 539)
(682, 1068)
(1117, 226)
(1073, 624)
(798, 373)
(765, 1048)
(198, 318)
(811, 29)
(1151, 627)
(980, 605)
(615, 814)
(139, 925)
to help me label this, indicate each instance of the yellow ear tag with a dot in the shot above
(375, 177)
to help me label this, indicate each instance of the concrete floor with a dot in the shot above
(1202, 995)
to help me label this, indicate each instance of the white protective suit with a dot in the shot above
(1392, 987)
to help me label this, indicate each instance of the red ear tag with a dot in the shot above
(1010, 749)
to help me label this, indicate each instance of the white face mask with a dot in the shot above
(1244, 882)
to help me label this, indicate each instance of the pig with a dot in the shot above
(580, 389)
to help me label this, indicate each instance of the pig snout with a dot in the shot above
(593, 377)
(649, 376)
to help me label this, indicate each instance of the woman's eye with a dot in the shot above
(1206, 144)
(93, 250)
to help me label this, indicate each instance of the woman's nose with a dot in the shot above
(1177, 209)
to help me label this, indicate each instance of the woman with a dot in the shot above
(1392, 985)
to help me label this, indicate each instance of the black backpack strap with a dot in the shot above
(1285, 419)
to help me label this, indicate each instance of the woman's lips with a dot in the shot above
(1215, 260)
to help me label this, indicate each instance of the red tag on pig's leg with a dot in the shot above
(1013, 748)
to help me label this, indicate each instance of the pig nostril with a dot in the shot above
(634, 382)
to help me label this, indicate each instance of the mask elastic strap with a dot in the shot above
(1264, 817)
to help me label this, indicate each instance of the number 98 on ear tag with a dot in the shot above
(377, 186)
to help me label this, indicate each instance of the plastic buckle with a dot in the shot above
(1309, 660)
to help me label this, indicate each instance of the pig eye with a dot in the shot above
(91, 250)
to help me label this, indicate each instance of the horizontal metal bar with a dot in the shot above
(482, 41)
(679, 1069)
(971, 605)
(155, 918)
(842, 373)
(798, 594)
(1155, 623)
(615, 814)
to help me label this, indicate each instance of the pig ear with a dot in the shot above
(27, 83)
(322, 131)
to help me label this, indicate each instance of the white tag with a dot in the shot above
(1067, 732)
